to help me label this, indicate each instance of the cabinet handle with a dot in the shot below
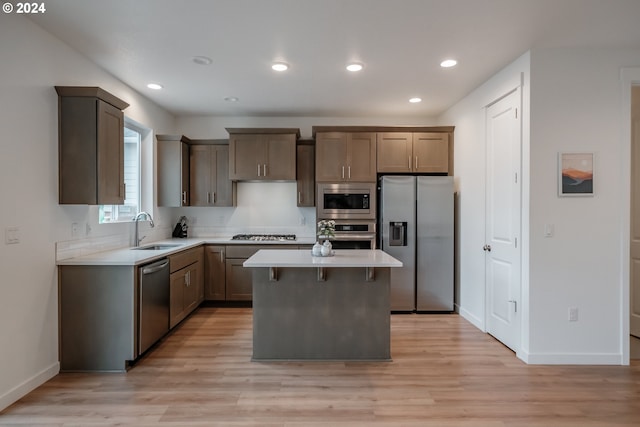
(184, 197)
(264, 170)
(416, 163)
(124, 190)
(349, 172)
(342, 172)
(214, 197)
(221, 256)
(409, 162)
(299, 197)
(208, 198)
(258, 169)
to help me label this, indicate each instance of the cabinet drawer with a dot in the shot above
(184, 258)
(246, 251)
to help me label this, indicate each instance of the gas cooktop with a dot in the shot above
(265, 237)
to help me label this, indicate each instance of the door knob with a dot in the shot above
(486, 248)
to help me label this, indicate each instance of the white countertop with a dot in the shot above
(132, 256)
(303, 258)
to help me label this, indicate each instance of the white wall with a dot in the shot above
(265, 207)
(576, 106)
(32, 63)
(468, 117)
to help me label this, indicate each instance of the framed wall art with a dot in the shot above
(575, 174)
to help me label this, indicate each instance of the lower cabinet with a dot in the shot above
(186, 286)
(225, 277)
(214, 272)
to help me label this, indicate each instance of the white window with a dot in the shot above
(132, 179)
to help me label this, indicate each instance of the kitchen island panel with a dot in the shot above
(345, 317)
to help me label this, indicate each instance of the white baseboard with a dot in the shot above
(475, 321)
(28, 386)
(571, 358)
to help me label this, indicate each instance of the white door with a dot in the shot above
(635, 213)
(503, 218)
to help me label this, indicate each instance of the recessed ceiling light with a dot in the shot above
(232, 99)
(415, 100)
(280, 66)
(355, 66)
(202, 60)
(447, 63)
(154, 86)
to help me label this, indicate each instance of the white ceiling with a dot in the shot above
(401, 43)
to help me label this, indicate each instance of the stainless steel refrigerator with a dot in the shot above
(417, 228)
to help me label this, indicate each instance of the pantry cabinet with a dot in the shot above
(346, 156)
(262, 154)
(90, 146)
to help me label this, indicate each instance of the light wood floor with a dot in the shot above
(444, 372)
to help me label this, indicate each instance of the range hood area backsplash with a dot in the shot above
(262, 207)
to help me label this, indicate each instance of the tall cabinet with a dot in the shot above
(90, 146)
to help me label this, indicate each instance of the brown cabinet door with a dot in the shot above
(431, 152)
(246, 157)
(280, 157)
(184, 174)
(361, 160)
(331, 156)
(239, 281)
(176, 297)
(191, 288)
(200, 175)
(110, 146)
(395, 152)
(223, 187)
(214, 282)
(305, 175)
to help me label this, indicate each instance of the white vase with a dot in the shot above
(327, 243)
(325, 251)
(317, 249)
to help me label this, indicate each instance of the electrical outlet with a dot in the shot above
(11, 235)
(74, 229)
(303, 221)
(573, 314)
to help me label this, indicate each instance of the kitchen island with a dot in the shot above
(321, 308)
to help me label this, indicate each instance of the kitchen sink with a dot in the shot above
(154, 247)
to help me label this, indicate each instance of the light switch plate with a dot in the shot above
(11, 235)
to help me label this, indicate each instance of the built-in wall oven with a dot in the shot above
(346, 201)
(354, 234)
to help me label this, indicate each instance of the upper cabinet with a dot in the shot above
(209, 181)
(305, 173)
(173, 170)
(413, 152)
(346, 156)
(90, 146)
(262, 154)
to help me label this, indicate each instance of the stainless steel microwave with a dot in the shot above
(346, 201)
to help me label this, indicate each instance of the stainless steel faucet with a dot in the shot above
(136, 240)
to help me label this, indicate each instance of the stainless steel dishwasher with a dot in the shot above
(154, 303)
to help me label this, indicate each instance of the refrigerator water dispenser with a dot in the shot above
(397, 233)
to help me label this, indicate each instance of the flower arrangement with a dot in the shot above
(326, 228)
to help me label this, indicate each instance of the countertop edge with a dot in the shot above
(132, 257)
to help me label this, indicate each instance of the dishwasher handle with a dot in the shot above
(153, 268)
